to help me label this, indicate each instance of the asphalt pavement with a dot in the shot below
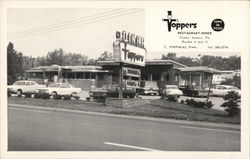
(45, 130)
(217, 101)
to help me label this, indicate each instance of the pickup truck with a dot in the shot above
(23, 87)
(110, 91)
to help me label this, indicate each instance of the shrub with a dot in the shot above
(182, 101)
(209, 104)
(232, 99)
(199, 104)
(190, 101)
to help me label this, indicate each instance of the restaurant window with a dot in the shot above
(144, 77)
(101, 76)
(79, 75)
(155, 77)
(87, 75)
(93, 75)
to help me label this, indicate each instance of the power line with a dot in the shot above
(66, 27)
(71, 22)
(62, 23)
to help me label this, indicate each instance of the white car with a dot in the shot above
(171, 91)
(59, 89)
(222, 90)
(24, 87)
(150, 88)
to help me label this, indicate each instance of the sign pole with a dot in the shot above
(210, 83)
(121, 81)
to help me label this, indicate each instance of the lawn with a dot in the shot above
(158, 109)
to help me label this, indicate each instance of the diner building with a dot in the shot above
(163, 72)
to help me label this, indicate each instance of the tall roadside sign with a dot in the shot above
(128, 49)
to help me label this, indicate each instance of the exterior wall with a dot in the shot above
(84, 84)
(162, 74)
(198, 80)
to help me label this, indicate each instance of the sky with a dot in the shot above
(91, 31)
(35, 32)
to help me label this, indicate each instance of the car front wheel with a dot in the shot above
(19, 93)
(54, 95)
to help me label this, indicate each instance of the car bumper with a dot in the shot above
(150, 92)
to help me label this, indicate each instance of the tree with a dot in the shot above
(73, 59)
(183, 60)
(14, 64)
(232, 107)
(92, 62)
(56, 57)
(105, 56)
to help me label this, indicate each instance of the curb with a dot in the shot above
(199, 123)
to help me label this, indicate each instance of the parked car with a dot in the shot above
(110, 91)
(194, 91)
(171, 92)
(222, 90)
(24, 87)
(150, 88)
(57, 90)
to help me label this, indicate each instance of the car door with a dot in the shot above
(26, 88)
(33, 87)
(217, 91)
(65, 89)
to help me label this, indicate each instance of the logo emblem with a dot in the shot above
(174, 23)
(217, 25)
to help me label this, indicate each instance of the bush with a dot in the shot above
(182, 101)
(199, 104)
(232, 99)
(209, 104)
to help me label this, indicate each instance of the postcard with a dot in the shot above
(124, 79)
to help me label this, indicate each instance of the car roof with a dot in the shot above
(59, 83)
(171, 85)
(24, 81)
(226, 86)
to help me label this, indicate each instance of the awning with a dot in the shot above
(200, 68)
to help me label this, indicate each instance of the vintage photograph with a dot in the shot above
(122, 79)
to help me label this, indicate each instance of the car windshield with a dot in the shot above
(150, 84)
(171, 87)
(53, 85)
(19, 83)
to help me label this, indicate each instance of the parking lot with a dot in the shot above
(217, 101)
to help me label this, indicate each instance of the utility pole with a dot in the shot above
(210, 83)
(121, 81)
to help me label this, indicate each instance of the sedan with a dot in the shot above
(24, 87)
(171, 92)
(222, 90)
(56, 90)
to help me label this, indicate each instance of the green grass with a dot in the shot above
(157, 108)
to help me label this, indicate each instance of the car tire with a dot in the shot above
(19, 93)
(54, 95)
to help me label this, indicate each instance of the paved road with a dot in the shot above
(40, 130)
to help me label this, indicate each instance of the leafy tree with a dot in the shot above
(41, 61)
(56, 57)
(105, 56)
(232, 107)
(73, 59)
(14, 64)
(236, 81)
(217, 62)
(92, 61)
(183, 60)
